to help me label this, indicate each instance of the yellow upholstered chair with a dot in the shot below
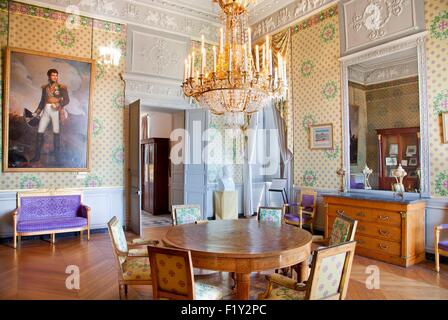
(440, 247)
(302, 212)
(186, 213)
(271, 214)
(133, 263)
(330, 274)
(172, 276)
(342, 230)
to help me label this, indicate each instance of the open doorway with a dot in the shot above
(161, 180)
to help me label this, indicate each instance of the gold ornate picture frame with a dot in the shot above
(47, 111)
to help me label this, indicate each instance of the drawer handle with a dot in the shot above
(383, 218)
(360, 214)
(384, 232)
(340, 211)
(383, 246)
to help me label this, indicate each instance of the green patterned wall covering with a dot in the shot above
(43, 29)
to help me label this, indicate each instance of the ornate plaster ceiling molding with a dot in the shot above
(158, 55)
(383, 74)
(154, 91)
(155, 15)
(288, 15)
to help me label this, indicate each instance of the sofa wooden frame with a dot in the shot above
(18, 235)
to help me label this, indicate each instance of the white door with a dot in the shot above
(195, 168)
(134, 196)
(177, 169)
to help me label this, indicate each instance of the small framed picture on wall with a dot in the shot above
(321, 136)
(411, 151)
(391, 161)
(445, 127)
(413, 161)
(393, 149)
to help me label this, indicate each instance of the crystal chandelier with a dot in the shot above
(238, 84)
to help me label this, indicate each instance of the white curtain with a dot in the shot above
(285, 153)
(251, 136)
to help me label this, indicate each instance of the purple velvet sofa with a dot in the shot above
(40, 213)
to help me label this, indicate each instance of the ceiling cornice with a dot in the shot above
(164, 17)
(287, 16)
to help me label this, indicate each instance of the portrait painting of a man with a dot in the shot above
(47, 112)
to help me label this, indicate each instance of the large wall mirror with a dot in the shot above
(385, 117)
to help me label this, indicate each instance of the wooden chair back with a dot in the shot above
(118, 239)
(308, 201)
(172, 273)
(343, 229)
(330, 272)
(271, 214)
(186, 213)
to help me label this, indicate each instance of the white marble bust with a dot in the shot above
(225, 183)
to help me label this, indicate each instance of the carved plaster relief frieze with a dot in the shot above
(368, 76)
(154, 91)
(154, 55)
(356, 76)
(370, 22)
(158, 16)
(377, 15)
(153, 88)
(288, 15)
(391, 73)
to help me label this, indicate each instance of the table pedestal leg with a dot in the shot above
(302, 271)
(242, 286)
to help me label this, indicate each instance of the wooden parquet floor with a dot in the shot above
(37, 271)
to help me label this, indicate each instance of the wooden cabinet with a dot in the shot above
(388, 230)
(155, 174)
(399, 146)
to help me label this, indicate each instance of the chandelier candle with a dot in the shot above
(257, 58)
(263, 59)
(214, 59)
(192, 65)
(237, 85)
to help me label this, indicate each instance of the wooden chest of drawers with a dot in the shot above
(390, 231)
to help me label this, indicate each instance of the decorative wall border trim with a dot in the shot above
(62, 17)
(318, 18)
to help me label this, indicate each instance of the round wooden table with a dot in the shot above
(242, 246)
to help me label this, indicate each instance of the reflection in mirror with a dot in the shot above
(384, 121)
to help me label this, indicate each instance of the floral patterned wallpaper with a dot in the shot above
(316, 98)
(43, 29)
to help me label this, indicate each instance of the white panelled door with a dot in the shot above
(195, 167)
(134, 189)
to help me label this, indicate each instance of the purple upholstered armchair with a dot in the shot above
(306, 209)
(440, 247)
(40, 213)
